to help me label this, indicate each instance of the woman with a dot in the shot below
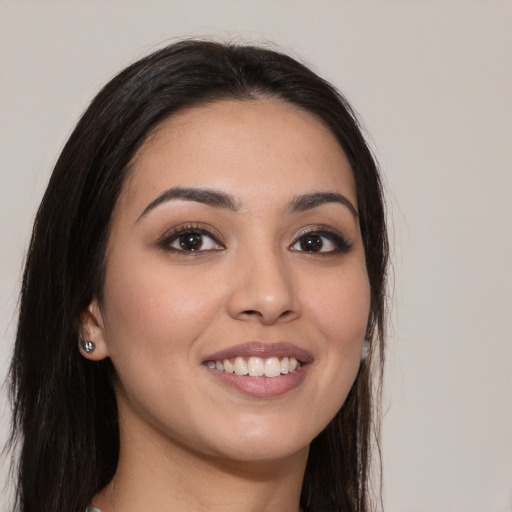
(202, 307)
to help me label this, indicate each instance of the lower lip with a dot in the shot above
(261, 387)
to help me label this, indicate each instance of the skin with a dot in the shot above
(189, 441)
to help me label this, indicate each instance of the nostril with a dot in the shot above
(287, 315)
(262, 301)
(251, 312)
(260, 315)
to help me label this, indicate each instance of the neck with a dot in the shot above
(157, 475)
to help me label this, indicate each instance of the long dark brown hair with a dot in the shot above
(65, 428)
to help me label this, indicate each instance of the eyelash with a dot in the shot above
(189, 229)
(341, 244)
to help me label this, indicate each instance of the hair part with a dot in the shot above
(64, 406)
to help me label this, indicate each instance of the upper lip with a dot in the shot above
(263, 350)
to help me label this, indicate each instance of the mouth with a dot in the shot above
(256, 366)
(258, 369)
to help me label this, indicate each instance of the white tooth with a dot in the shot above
(285, 365)
(293, 364)
(256, 367)
(272, 367)
(228, 367)
(210, 364)
(219, 366)
(240, 366)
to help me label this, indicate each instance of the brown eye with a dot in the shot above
(191, 241)
(311, 243)
(322, 242)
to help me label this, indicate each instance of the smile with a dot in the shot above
(258, 369)
(256, 366)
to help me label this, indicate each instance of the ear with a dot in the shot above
(92, 328)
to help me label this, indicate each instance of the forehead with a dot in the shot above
(251, 147)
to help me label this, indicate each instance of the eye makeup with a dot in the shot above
(321, 240)
(191, 239)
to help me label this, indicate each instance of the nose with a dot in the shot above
(263, 290)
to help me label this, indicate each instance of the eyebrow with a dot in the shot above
(217, 199)
(212, 198)
(309, 201)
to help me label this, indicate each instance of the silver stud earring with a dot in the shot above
(365, 351)
(86, 346)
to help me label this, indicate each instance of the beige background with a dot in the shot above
(433, 82)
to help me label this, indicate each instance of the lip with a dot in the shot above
(263, 350)
(261, 387)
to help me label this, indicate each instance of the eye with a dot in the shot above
(322, 241)
(188, 239)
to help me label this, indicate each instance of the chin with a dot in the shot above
(263, 452)
(264, 442)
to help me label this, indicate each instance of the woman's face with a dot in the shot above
(235, 236)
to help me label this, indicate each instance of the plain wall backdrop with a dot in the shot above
(432, 81)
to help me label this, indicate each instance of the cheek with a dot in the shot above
(153, 308)
(342, 306)
(341, 310)
(154, 317)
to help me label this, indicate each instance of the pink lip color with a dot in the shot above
(261, 387)
(263, 350)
